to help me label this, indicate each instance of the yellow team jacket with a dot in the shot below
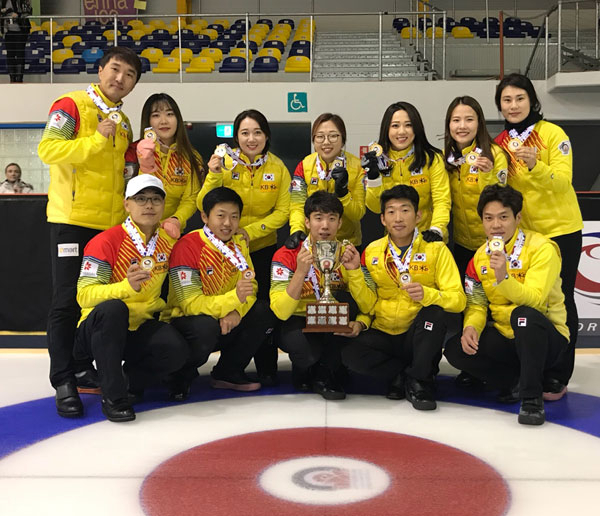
(431, 264)
(431, 182)
(535, 283)
(86, 170)
(306, 181)
(283, 267)
(103, 274)
(466, 186)
(265, 192)
(203, 281)
(550, 204)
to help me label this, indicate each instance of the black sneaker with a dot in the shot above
(329, 389)
(88, 382)
(554, 389)
(532, 411)
(268, 380)
(420, 394)
(466, 380)
(508, 395)
(118, 411)
(397, 388)
(301, 379)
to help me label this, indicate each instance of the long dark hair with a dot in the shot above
(181, 138)
(482, 137)
(424, 151)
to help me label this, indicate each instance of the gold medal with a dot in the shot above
(405, 278)
(147, 264)
(338, 163)
(249, 274)
(150, 134)
(377, 148)
(471, 158)
(514, 144)
(116, 117)
(221, 150)
(496, 244)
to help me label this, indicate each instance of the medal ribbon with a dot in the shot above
(523, 136)
(453, 160)
(235, 156)
(517, 248)
(312, 274)
(236, 259)
(386, 160)
(402, 265)
(137, 239)
(100, 104)
(325, 175)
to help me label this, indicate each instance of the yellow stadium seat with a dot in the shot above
(211, 33)
(405, 33)
(173, 27)
(158, 24)
(283, 27)
(34, 27)
(278, 37)
(110, 34)
(135, 24)
(240, 52)
(223, 21)
(439, 32)
(148, 29)
(198, 22)
(271, 52)
(46, 26)
(60, 54)
(152, 54)
(261, 28)
(187, 54)
(70, 23)
(302, 36)
(136, 34)
(254, 37)
(214, 53)
(304, 23)
(69, 41)
(201, 64)
(167, 65)
(297, 64)
(461, 32)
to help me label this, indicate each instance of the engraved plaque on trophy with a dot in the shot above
(327, 315)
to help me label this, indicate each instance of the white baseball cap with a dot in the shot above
(138, 183)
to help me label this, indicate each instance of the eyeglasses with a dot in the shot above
(141, 200)
(333, 137)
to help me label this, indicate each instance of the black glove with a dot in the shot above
(294, 239)
(340, 176)
(369, 163)
(431, 236)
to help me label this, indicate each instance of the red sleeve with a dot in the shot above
(501, 137)
(471, 272)
(299, 172)
(362, 258)
(131, 154)
(186, 252)
(66, 106)
(287, 257)
(105, 246)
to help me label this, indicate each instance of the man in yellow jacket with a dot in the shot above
(515, 276)
(118, 290)
(84, 143)
(417, 284)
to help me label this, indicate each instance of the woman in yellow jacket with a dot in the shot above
(406, 157)
(170, 157)
(472, 161)
(541, 168)
(333, 169)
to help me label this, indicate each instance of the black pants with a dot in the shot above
(64, 310)
(203, 336)
(570, 250)
(151, 352)
(15, 54)
(417, 352)
(462, 257)
(501, 362)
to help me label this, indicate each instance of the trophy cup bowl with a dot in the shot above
(327, 315)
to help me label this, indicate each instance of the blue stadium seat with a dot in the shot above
(467, 21)
(194, 46)
(77, 30)
(167, 46)
(225, 46)
(82, 46)
(299, 52)
(265, 64)
(251, 45)
(56, 45)
(37, 67)
(38, 34)
(287, 21)
(266, 21)
(187, 34)
(242, 22)
(513, 32)
(91, 55)
(275, 44)
(217, 26)
(70, 65)
(33, 54)
(303, 43)
(145, 64)
(139, 46)
(160, 34)
(59, 35)
(492, 20)
(233, 64)
(93, 23)
(236, 33)
(125, 41)
(3, 67)
(229, 37)
(511, 21)
(400, 23)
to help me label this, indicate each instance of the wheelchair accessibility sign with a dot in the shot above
(297, 102)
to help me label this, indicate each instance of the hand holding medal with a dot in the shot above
(217, 160)
(136, 275)
(527, 154)
(116, 117)
(497, 257)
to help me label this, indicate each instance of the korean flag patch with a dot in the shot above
(268, 177)
(420, 257)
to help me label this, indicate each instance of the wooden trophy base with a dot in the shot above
(327, 318)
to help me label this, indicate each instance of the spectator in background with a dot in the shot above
(15, 25)
(13, 183)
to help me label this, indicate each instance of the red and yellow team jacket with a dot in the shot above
(86, 169)
(265, 192)
(357, 282)
(203, 281)
(431, 265)
(535, 283)
(550, 204)
(306, 181)
(431, 182)
(466, 186)
(103, 274)
(181, 184)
